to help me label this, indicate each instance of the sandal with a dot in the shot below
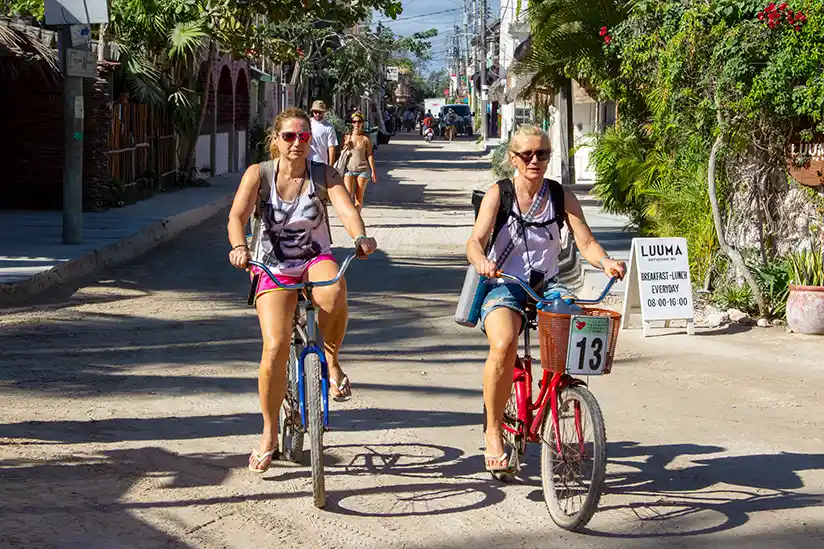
(500, 459)
(344, 389)
(271, 455)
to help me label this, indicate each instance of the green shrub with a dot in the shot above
(735, 296)
(774, 280)
(501, 166)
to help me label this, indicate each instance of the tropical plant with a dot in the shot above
(501, 166)
(774, 279)
(807, 266)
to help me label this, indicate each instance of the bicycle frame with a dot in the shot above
(310, 335)
(531, 413)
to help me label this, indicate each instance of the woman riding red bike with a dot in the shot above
(528, 246)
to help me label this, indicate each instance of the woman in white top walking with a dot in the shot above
(528, 247)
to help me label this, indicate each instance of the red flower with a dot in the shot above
(771, 25)
(761, 16)
(603, 31)
(798, 28)
(770, 8)
(782, 6)
(607, 39)
(300, 52)
(801, 17)
(789, 13)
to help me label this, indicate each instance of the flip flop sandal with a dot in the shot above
(271, 455)
(502, 458)
(342, 387)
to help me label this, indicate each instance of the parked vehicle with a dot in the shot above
(464, 125)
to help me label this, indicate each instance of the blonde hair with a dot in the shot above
(526, 130)
(288, 114)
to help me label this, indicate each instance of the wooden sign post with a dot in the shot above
(658, 283)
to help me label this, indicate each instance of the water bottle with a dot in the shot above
(472, 297)
(559, 306)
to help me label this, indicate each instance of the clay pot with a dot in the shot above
(805, 309)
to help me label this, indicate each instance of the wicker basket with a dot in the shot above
(553, 336)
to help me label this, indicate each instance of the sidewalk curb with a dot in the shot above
(121, 251)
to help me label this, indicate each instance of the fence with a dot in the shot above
(141, 145)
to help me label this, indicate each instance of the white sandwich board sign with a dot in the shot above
(658, 282)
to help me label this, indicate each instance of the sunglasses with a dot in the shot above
(541, 154)
(357, 121)
(290, 137)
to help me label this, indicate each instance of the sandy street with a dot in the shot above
(129, 407)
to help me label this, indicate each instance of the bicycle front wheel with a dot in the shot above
(312, 372)
(574, 478)
(291, 426)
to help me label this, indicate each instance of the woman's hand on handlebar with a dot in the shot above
(365, 247)
(239, 257)
(615, 268)
(487, 268)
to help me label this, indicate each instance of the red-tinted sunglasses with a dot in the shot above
(290, 137)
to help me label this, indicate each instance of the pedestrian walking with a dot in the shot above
(324, 137)
(361, 166)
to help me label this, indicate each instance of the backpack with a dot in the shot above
(507, 188)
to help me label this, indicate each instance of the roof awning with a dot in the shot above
(518, 86)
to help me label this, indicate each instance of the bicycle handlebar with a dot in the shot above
(303, 285)
(540, 299)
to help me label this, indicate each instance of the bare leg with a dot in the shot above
(275, 312)
(351, 183)
(502, 327)
(360, 192)
(333, 316)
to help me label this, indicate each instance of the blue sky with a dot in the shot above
(416, 18)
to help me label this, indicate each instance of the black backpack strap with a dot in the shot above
(507, 191)
(318, 171)
(266, 171)
(556, 195)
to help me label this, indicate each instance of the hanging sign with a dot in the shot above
(658, 284)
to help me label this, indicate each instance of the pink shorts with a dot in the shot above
(265, 283)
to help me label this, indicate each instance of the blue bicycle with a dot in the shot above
(306, 405)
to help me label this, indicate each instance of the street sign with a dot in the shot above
(659, 282)
(81, 63)
(392, 74)
(81, 35)
(76, 12)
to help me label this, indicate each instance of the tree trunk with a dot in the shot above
(204, 106)
(728, 250)
(376, 106)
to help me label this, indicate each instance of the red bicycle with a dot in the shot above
(573, 464)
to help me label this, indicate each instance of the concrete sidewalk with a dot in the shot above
(32, 257)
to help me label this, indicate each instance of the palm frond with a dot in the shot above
(186, 39)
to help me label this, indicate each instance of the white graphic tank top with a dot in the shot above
(535, 243)
(291, 234)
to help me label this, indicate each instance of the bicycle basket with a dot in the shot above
(553, 337)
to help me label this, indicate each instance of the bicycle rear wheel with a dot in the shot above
(291, 426)
(312, 372)
(574, 479)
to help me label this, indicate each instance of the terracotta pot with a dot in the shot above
(805, 309)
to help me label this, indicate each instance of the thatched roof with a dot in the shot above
(26, 47)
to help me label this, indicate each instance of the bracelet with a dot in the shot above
(601, 261)
(241, 246)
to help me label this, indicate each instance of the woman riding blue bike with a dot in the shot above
(293, 239)
(528, 246)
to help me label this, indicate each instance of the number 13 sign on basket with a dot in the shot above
(587, 350)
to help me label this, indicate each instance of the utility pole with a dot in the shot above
(565, 127)
(73, 142)
(484, 87)
(467, 66)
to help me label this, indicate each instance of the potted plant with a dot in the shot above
(805, 305)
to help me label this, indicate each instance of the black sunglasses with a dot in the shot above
(541, 154)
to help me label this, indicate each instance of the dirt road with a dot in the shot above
(129, 407)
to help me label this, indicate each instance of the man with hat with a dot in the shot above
(324, 138)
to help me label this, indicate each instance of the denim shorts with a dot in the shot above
(512, 296)
(365, 175)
